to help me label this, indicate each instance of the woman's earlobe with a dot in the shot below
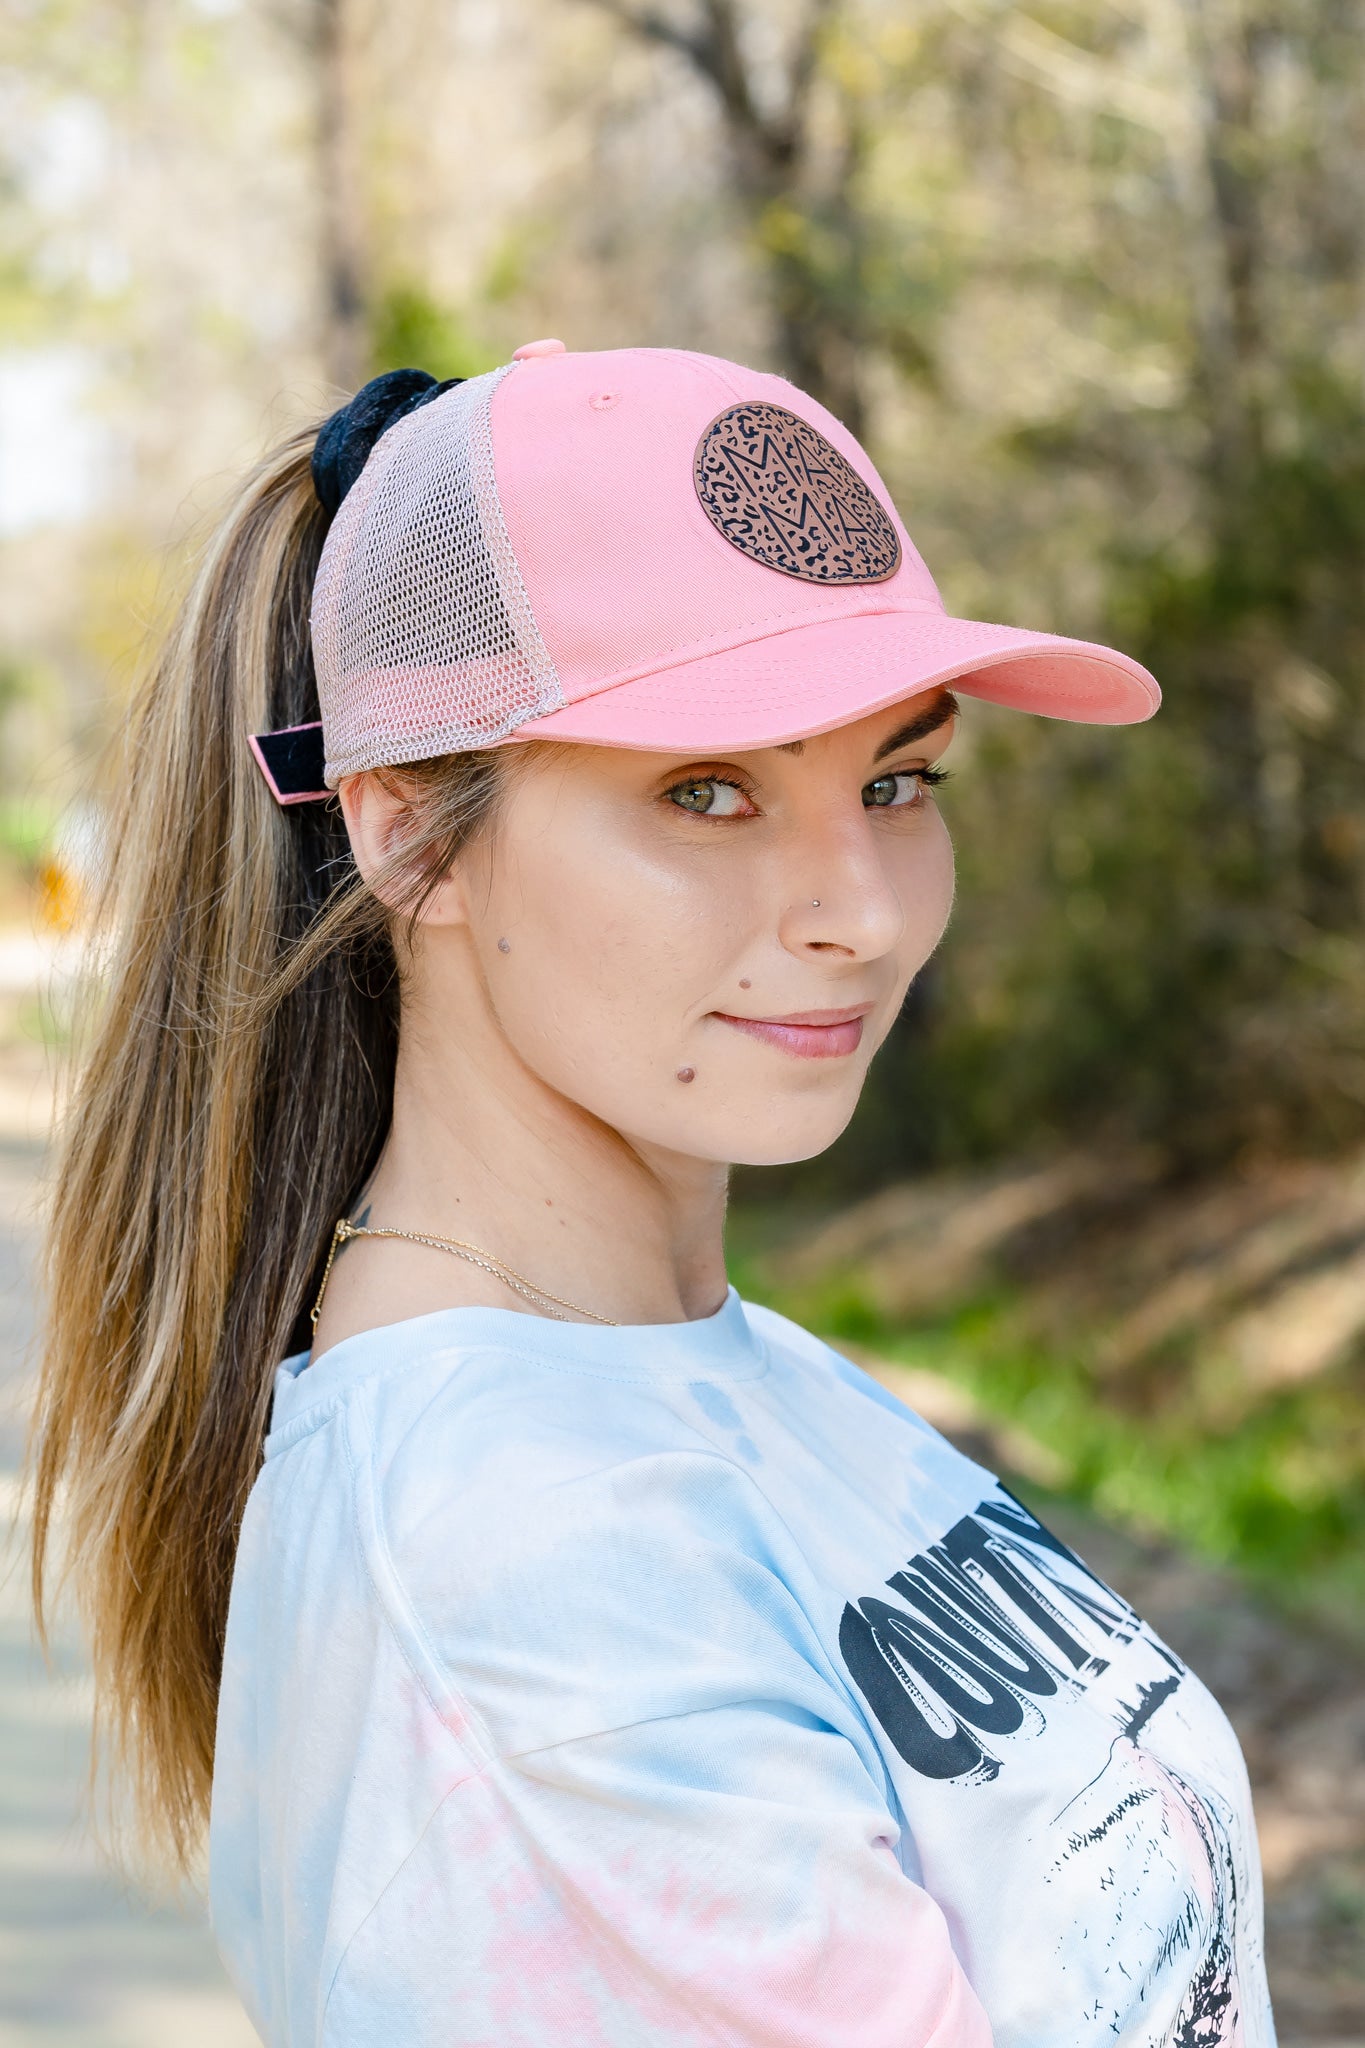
(448, 903)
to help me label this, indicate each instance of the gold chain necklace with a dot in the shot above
(539, 1297)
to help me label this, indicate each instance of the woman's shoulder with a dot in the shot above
(556, 1528)
(573, 1528)
(486, 1418)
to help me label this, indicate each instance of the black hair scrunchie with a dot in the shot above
(345, 440)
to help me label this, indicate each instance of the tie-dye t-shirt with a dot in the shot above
(675, 1686)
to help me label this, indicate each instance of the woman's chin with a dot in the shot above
(729, 1123)
(787, 1140)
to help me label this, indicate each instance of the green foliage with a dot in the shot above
(1140, 419)
(1278, 1494)
(27, 828)
(1161, 928)
(413, 330)
(1090, 279)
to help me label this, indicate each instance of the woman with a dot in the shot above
(607, 1661)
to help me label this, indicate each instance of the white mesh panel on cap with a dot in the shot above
(423, 635)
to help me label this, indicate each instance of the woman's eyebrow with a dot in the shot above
(931, 719)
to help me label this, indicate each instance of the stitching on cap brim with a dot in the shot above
(816, 678)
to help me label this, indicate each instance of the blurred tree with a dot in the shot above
(1174, 945)
(769, 128)
(330, 35)
(794, 109)
(412, 329)
(1090, 275)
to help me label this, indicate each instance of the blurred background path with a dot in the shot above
(82, 1963)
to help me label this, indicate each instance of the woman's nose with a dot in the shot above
(842, 901)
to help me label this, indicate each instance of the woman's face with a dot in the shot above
(705, 953)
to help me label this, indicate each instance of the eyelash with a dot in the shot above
(699, 780)
(929, 778)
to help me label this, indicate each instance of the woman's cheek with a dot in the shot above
(600, 992)
(927, 893)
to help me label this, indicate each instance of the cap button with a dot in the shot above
(530, 349)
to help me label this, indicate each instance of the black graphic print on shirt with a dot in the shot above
(990, 1631)
(958, 1662)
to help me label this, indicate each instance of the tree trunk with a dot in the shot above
(814, 324)
(345, 338)
(1227, 49)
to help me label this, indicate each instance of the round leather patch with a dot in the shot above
(784, 495)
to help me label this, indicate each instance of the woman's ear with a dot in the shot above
(378, 810)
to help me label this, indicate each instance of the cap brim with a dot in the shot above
(811, 679)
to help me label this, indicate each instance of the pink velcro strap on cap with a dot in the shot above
(291, 760)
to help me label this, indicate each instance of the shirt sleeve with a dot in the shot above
(726, 1876)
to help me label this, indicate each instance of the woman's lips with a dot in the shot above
(809, 1035)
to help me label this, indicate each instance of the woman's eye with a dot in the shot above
(895, 791)
(708, 797)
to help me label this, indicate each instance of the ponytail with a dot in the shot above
(236, 1091)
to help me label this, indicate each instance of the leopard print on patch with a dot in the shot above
(784, 495)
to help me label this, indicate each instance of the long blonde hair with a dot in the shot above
(235, 1091)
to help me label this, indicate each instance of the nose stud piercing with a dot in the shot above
(503, 946)
(815, 902)
(687, 1073)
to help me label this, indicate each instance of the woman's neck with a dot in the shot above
(482, 1150)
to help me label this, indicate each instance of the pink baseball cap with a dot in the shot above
(645, 548)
